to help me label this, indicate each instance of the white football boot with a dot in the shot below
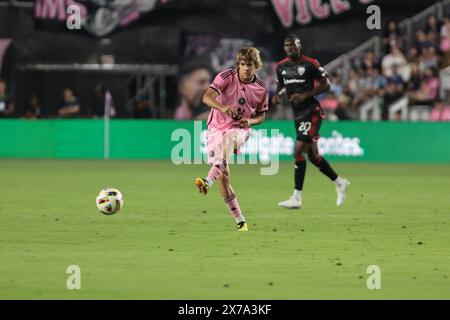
(291, 203)
(341, 188)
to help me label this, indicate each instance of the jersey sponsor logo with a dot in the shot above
(289, 81)
(301, 70)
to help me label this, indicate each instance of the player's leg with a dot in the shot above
(316, 159)
(222, 148)
(234, 140)
(230, 199)
(215, 139)
(326, 169)
(300, 150)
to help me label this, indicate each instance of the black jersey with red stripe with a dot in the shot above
(298, 77)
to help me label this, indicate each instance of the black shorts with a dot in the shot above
(308, 126)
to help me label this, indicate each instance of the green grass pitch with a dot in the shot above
(170, 242)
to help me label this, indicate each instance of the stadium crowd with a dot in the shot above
(400, 71)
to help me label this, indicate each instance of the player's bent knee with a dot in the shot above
(315, 160)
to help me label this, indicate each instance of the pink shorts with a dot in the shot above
(216, 139)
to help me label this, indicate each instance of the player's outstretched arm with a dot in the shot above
(209, 98)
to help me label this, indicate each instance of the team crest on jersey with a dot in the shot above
(301, 70)
(239, 113)
(241, 101)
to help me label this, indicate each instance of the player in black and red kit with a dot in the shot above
(302, 78)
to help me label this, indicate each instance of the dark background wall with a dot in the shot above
(156, 36)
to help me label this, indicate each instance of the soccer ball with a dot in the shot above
(109, 201)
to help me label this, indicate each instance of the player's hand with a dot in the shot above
(244, 123)
(230, 110)
(276, 100)
(298, 97)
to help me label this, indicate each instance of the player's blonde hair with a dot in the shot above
(250, 54)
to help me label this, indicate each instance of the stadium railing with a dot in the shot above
(17, 4)
(342, 64)
(409, 26)
(444, 76)
(399, 106)
(370, 110)
(415, 112)
(419, 113)
(150, 79)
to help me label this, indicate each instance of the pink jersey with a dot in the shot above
(249, 99)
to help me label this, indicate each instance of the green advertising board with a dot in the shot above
(160, 139)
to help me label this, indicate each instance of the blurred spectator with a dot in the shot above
(413, 55)
(194, 82)
(141, 109)
(433, 40)
(421, 40)
(396, 79)
(356, 87)
(444, 46)
(397, 58)
(445, 35)
(368, 60)
(332, 107)
(97, 107)
(392, 91)
(34, 110)
(329, 102)
(416, 78)
(428, 90)
(6, 105)
(374, 82)
(391, 94)
(99, 101)
(69, 106)
(428, 59)
(344, 112)
(392, 36)
(432, 24)
(341, 113)
(336, 84)
(440, 112)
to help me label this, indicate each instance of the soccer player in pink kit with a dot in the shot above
(238, 100)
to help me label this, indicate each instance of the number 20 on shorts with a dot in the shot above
(304, 126)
